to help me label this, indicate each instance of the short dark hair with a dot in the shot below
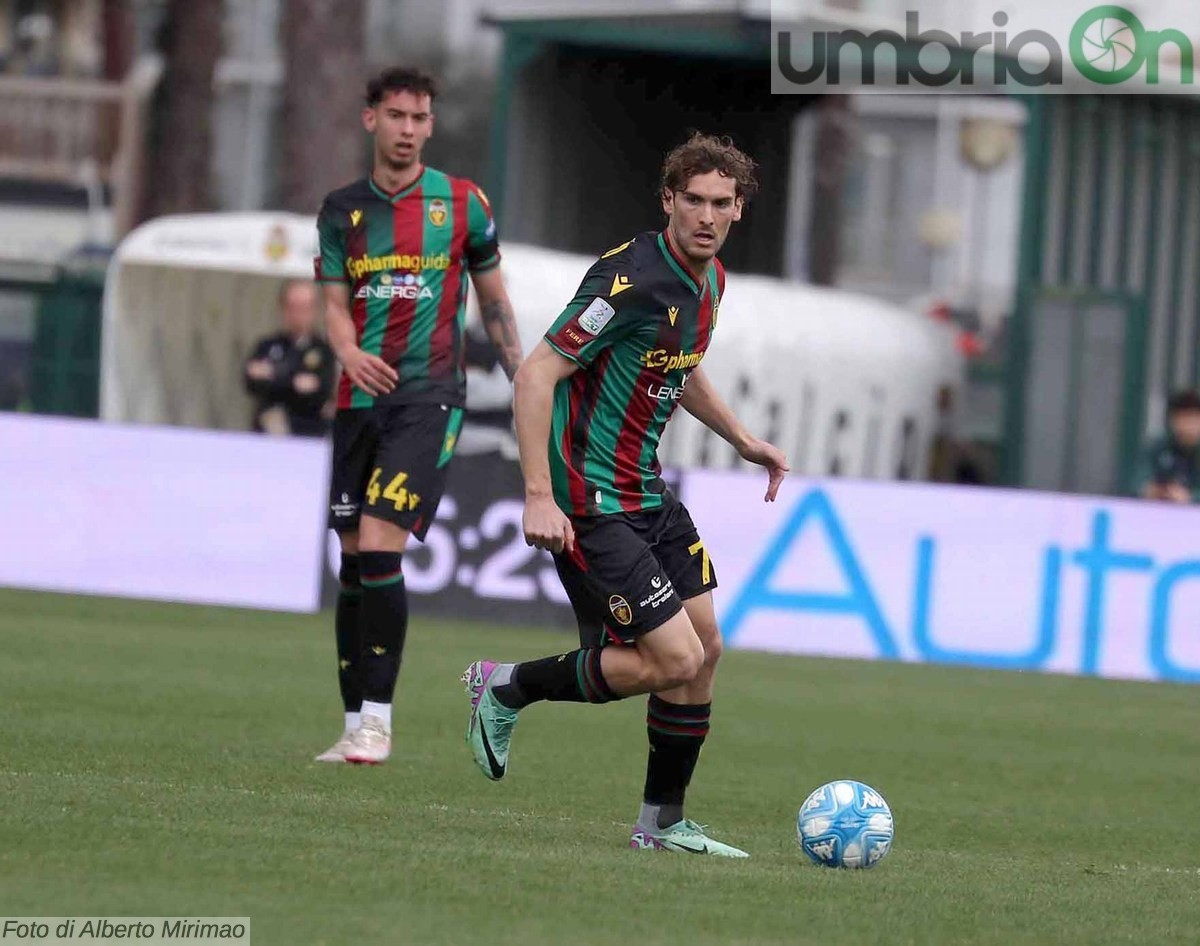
(1188, 400)
(701, 154)
(400, 79)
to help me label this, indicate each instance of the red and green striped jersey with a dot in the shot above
(638, 326)
(405, 258)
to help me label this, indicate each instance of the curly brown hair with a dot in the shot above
(703, 153)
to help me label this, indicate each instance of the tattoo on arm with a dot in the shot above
(501, 327)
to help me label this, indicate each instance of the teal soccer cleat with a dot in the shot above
(490, 728)
(684, 837)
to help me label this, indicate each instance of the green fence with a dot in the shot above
(1111, 217)
(62, 369)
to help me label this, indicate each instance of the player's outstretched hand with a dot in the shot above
(546, 527)
(368, 372)
(770, 456)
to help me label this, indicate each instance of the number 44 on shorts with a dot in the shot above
(394, 491)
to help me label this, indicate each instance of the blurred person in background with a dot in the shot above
(291, 374)
(33, 52)
(1171, 470)
(396, 250)
(952, 457)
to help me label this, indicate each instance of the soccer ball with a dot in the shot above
(845, 824)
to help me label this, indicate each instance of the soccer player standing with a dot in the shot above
(395, 252)
(598, 390)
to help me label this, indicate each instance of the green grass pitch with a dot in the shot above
(155, 760)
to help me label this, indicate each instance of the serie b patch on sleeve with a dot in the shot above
(597, 315)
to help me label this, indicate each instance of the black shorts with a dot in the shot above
(631, 572)
(390, 461)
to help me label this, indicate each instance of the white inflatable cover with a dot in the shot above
(843, 382)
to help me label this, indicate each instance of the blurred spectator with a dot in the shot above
(953, 459)
(1172, 464)
(33, 52)
(291, 375)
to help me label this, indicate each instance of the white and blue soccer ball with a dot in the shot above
(845, 824)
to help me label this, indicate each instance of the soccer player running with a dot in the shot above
(598, 390)
(395, 252)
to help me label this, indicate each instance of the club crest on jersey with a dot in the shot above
(620, 610)
(355, 216)
(437, 212)
(597, 315)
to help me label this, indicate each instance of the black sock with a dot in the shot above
(569, 678)
(348, 627)
(676, 733)
(384, 623)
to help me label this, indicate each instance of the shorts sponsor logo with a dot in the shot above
(620, 610)
(345, 509)
(660, 594)
(597, 315)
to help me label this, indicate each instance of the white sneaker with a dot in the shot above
(337, 752)
(371, 743)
